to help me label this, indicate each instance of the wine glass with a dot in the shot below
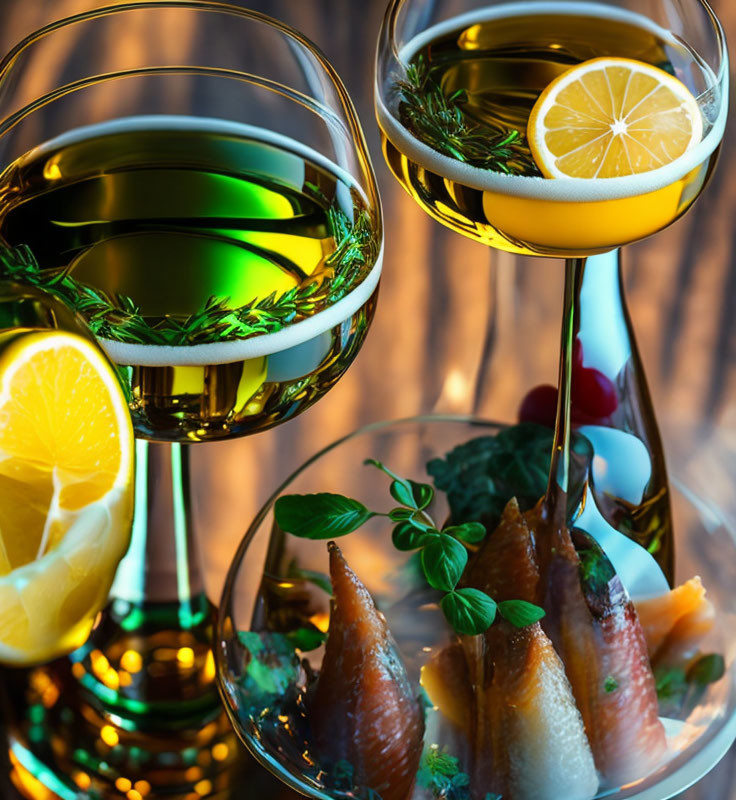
(276, 606)
(456, 86)
(192, 178)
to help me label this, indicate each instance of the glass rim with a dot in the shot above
(391, 16)
(7, 63)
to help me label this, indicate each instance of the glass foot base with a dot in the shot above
(62, 746)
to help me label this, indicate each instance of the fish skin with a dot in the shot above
(527, 732)
(364, 709)
(594, 627)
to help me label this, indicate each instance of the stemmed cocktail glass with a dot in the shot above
(203, 196)
(455, 86)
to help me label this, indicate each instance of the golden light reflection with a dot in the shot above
(111, 679)
(82, 780)
(50, 695)
(185, 657)
(208, 673)
(321, 621)
(123, 784)
(131, 661)
(203, 788)
(220, 751)
(143, 787)
(78, 671)
(134, 795)
(109, 736)
(100, 664)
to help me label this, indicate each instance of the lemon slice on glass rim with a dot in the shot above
(66, 490)
(612, 117)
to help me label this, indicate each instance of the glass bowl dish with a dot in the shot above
(276, 601)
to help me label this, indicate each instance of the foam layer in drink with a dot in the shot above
(559, 189)
(259, 345)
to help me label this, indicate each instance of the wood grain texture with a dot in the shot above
(427, 342)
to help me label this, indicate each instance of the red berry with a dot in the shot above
(593, 394)
(540, 406)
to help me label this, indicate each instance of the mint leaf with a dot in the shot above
(707, 669)
(407, 492)
(423, 494)
(402, 493)
(320, 516)
(468, 611)
(670, 683)
(471, 532)
(443, 561)
(400, 514)
(520, 613)
(406, 536)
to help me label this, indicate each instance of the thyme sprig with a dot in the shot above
(438, 120)
(120, 318)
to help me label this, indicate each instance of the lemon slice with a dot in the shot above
(611, 117)
(66, 491)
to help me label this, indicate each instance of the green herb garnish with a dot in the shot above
(679, 690)
(120, 319)
(482, 475)
(441, 774)
(438, 120)
(610, 684)
(443, 552)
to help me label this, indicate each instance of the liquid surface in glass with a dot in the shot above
(187, 245)
(501, 59)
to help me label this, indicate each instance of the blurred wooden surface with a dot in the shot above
(430, 327)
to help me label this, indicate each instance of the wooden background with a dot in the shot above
(427, 341)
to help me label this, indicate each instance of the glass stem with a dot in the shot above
(555, 505)
(156, 633)
(163, 562)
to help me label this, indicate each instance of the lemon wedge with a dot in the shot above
(612, 117)
(66, 490)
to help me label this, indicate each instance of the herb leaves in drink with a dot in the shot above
(120, 319)
(437, 119)
(443, 551)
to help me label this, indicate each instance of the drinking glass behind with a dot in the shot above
(191, 177)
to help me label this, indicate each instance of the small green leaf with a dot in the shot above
(443, 562)
(471, 532)
(670, 683)
(520, 613)
(468, 611)
(406, 536)
(320, 516)
(306, 639)
(402, 493)
(400, 514)
(423, 494)
(610, 684)
(707, 669)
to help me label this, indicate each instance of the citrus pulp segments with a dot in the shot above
(612, 118)
(66, 487)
